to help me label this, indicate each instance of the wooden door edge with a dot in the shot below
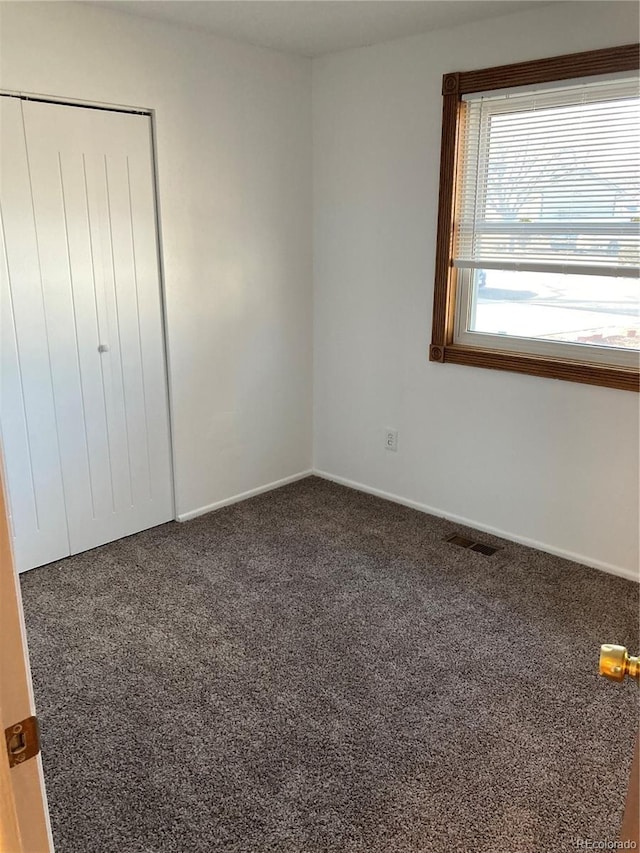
(10, 839)
(22, 788)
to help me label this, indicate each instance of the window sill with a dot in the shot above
(589, 373)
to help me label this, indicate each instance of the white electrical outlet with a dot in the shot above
(391, 439)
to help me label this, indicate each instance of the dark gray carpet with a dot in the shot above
(315, 670)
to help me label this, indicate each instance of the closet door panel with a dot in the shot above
(150, 317)
(52, 228)
(27, 410)
(124, 303)
(100, 209)
(119, 446)
(87, 333)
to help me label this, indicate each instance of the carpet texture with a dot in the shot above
(316, 670)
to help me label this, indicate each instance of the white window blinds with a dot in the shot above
(551, 180)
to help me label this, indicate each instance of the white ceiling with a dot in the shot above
(314, 27)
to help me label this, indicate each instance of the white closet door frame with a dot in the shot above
(150, 113)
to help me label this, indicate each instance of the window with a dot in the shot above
(538, 252)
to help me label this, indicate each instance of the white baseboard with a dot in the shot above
(629, 574)
(186, 516)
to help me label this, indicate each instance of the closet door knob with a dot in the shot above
(103, 347)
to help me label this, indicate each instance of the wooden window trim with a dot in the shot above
(454, 86)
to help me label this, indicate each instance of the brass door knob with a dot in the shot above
(616, 663)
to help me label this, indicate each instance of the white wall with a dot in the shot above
(548, 461)
(234, 162)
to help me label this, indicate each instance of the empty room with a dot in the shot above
(319, 426)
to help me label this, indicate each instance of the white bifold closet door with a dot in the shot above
(83, 391)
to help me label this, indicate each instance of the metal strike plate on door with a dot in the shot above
(23, 741)
(616, 663)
